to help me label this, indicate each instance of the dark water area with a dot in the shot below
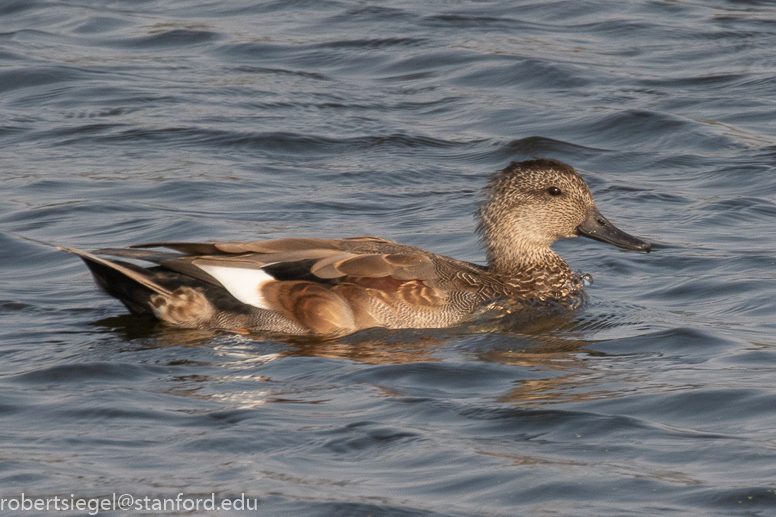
(152, 120)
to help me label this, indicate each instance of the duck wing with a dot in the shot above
(323, 285)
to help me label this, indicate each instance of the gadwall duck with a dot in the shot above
(339, 286)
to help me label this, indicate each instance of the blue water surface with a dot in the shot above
(125, 122)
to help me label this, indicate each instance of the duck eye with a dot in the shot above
(554, 191)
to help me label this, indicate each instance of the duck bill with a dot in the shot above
(599, 228)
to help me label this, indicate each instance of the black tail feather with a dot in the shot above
(134, 285)
(134, 295)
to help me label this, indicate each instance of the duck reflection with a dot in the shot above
(553, 342)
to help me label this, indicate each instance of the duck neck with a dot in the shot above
(519, 256)
(514, 261)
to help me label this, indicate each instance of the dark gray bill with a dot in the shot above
(597, 227)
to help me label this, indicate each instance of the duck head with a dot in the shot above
(530, 205)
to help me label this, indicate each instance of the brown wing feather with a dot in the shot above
(365, 265)
(191, 265)
(413, 266)
(402, 267)
(237, 247)
(387, 284)
(189, 248)
(365, 286)
(268, 246)
(365, 310)
(311, 305)
(279, 245)
(357, 262)
(417, 294)
(138, 254)
(394, 292)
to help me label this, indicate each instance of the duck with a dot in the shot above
(317, 286)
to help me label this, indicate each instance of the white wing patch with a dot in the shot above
(243, 284)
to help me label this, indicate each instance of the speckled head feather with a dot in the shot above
(527, 207)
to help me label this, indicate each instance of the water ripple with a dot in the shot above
(170, 120)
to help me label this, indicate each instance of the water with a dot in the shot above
(125, 122)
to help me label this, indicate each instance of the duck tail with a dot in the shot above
(132, 285)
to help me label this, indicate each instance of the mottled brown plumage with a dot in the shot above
(339, 286)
